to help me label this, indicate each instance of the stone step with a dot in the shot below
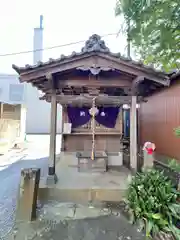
(81, 195)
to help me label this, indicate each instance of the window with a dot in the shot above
(16, 92)
(8, 108)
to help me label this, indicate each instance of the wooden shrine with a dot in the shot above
(97, 74)
(80, 138)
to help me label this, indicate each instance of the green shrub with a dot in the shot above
(174, 165)
(177, 131)
(152, 203)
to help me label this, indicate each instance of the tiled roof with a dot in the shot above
(93, 45)
(174, 75)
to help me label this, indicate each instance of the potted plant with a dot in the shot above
(151, 202)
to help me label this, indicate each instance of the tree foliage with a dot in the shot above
(154, 30)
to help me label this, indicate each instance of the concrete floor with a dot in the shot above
(36, 155)
(69, 221)
(78, 186)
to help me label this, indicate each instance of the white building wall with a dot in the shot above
(37, 117)
(38, 111)
(7, 81)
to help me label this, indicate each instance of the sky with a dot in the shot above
(64, 22)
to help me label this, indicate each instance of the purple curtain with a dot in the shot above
(107, 116)
(78, 116)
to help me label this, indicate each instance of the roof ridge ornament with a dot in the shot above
(95, 43)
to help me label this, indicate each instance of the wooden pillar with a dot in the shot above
(133, 134)
(52, 148)
(62, 128)
(1, 110)
(22, 122)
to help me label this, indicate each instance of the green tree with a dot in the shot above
(153, 27)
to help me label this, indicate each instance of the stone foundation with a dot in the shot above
(85, 186)
(115, 160)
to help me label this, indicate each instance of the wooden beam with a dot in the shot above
(135, 85)
(86, 82)
(94, 83)
(52, 178)
(66, 64)
(87, 97)
(133, 134)
(98, 59)
(1, 110)
(50, 81)
(129, 67)
(77, 100)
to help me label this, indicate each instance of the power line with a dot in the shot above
(53, 47)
